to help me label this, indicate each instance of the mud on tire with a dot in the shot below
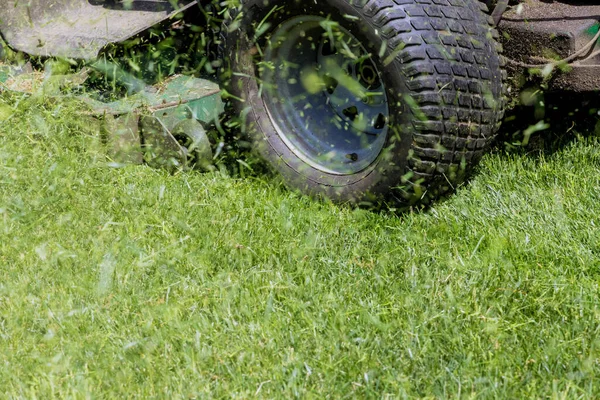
(440, 69)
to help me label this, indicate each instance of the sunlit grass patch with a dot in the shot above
(122, 282)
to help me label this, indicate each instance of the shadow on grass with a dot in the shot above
(549, 124)
(543, 128)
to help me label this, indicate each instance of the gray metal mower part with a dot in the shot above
(79, 28)
(161, 124)
(539, 34)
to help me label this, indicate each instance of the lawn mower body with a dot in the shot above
(538, 32)
(79, 29)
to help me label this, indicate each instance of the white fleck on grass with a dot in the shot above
(42, 252)
(49, 335)
(107, 269)
(40, 125)
(308, 369)
(130, 345)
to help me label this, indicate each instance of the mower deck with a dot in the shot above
(536, 31)
(180, 103)
(79, 28)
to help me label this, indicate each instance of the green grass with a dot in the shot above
(130, 282)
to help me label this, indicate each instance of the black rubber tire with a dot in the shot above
(442, 70)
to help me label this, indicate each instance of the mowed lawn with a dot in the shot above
(131, 282)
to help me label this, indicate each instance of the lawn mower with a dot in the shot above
(378, 102)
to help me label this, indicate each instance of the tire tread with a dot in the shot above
(448, 48)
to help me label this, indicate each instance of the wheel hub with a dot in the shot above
(365, 111)
(325, 96)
